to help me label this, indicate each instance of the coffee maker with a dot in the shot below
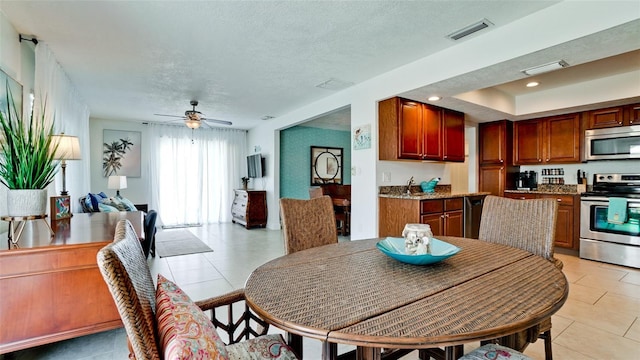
(527, 180)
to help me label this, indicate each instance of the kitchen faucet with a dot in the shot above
(409, 183)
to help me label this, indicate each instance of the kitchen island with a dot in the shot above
(448, 213)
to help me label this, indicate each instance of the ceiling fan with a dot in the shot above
(193, 118)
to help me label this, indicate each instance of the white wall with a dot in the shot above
(137, 188)
(17, 61)
(561, 23)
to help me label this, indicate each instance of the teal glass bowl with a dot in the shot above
(394, 248)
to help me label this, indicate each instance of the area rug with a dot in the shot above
(178, 242)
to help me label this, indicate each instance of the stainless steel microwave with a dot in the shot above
(612, 143)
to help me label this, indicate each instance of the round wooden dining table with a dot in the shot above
(351, 293)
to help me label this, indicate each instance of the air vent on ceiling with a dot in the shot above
(466, 31)
(335, 84)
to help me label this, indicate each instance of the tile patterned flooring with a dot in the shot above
(600, 320)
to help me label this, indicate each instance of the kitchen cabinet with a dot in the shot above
(453, 136)
(553, 140)
(493, 179)
(568, 219)
(445, 216)
(249, 208)
(496, 172)
(411, 130)
(614, 116)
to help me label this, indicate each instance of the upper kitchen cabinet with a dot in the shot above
(554, 140)
(614, 116)
(496, 172)
(496, 142)
(453, 135)
(411, 130)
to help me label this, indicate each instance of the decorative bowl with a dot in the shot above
(394, 248)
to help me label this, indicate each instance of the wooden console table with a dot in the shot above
(51, 287)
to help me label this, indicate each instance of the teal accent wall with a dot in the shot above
(295, 157)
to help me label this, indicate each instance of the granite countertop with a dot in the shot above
(435, 195)
(441, 192)
(549, 189)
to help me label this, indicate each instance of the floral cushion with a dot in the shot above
(185, 330)
(495, 352)
(262, 347)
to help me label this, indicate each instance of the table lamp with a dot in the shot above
(117, 182)
(68, 149)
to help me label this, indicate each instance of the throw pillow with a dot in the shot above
(185, 330)
(95, 200)
(112, 201)
(495, 352)
(106, 208)
(127, 204)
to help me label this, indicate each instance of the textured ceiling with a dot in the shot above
(245, 59)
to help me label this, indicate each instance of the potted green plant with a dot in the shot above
(27, 164)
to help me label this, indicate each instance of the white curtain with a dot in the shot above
(193, 173)
(55, 93)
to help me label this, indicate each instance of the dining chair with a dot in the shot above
(163, 322)
(341, 205)
(529, 225)
(308, 223)
(149, 243)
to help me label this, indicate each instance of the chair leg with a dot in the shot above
(548, 354)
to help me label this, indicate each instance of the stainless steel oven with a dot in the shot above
(601, 239)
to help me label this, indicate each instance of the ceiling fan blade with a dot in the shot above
(223, 122)
(176, 116)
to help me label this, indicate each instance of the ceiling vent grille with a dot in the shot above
(466, 31)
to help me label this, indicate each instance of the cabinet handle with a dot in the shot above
(447, 216)
(501, 161)
(539, 160)
(547, 160)
(441, 216)
(559, 200)
(620, 122)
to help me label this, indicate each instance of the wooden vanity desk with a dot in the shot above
(51, 287)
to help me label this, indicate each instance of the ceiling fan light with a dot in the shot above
(192, 124)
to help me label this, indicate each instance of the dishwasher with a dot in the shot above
(472, 214)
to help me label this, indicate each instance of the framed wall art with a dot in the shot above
(121, 153)
(362, 137)
(326, 165)
(16, 92)
(60, 207)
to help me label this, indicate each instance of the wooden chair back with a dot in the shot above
(125, 270)
(526, 224)
(308, 223)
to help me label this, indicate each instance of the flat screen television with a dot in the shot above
(255, 166)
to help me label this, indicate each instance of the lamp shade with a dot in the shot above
(117, 182)
(68, 147)
(192, 124)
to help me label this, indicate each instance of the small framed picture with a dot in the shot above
(60, 207)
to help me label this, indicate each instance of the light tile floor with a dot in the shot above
(600, 320)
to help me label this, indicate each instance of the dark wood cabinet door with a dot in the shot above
(562, 139)
(453, 135)
(634, 114)
(436, 221)
(410, 125)
(604, 118)
(528, 140)
(492, 179)
(493, 140)
(432, 133)
(564, 227)
(453, 222)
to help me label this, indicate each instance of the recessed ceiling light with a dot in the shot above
(546, 68)
(468, 30)
(434, 98)
(533, 84)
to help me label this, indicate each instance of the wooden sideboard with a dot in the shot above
(52, 288)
